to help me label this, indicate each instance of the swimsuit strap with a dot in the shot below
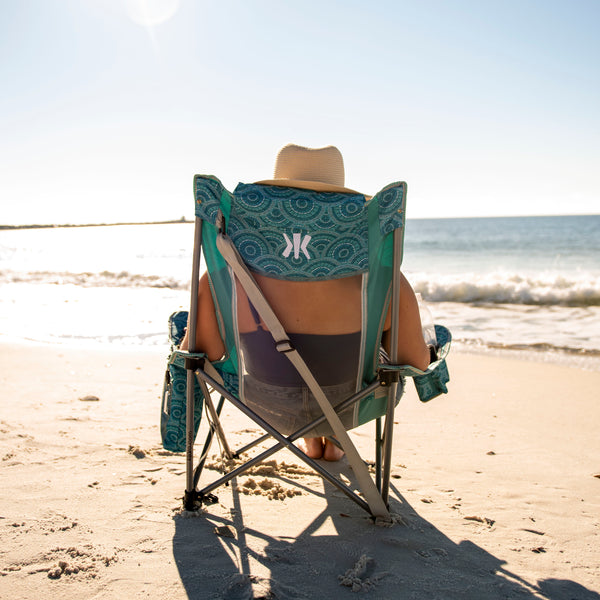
(255, 315)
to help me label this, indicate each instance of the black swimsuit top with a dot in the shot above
(332, 359)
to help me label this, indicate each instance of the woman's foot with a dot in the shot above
(331, 452)
(318, 447)
(312, 447)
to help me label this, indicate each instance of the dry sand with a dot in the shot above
(496, 487)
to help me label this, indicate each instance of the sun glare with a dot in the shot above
(149, 13)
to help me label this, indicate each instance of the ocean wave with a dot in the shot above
(577, 290)
(103, 279)
(509, 288)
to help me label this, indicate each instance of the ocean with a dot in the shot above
(513, 285)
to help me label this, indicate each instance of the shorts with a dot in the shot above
(288, 409)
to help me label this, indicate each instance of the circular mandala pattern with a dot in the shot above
(250, 248)
(391, 204)
(255, 201)
(349, 249)
(344, 251)
(322, 241)
(335, 197)
(235, 227)
(274, 191)
(336, 223)
(325, 221)
(253, 223)
(208, 189)
(301, 208)
(344, 271)
(387, 227)
(178, 388)
(349, 210)
(207, 211)
(321, 268)
(277, 216)
(389, 198)
(270, 265)
(362, 233)
(274, 241)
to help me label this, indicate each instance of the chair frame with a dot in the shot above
(194, 497)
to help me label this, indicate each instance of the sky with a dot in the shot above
(485, 108)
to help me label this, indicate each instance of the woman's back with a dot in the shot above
(318, 307)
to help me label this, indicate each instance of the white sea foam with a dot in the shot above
(122, 279)
(527, 285)
(500, 287)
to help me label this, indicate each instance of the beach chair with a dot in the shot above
(300, 235)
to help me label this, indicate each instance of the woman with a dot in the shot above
(322, 318)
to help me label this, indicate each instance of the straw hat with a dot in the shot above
(319, 169)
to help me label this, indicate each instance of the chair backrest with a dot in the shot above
(302, 235)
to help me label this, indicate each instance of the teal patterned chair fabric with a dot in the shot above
(172, 421)
(173, 408)
(432, 382)
(299, 234)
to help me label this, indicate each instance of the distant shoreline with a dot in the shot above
(67, 225)
(184, 220)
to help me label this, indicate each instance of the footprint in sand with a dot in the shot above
(362, 577)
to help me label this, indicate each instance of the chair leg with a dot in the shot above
(388, 436)
(378, 443)
(207, 445)
(191, 496)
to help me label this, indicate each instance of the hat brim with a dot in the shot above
(316, 186)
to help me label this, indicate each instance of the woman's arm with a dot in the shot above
(208, 337)
(412, 349)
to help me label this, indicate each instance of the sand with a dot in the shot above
(495, 488)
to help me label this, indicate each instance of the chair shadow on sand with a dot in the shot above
(411, 559)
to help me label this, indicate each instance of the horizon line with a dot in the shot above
(184, 220)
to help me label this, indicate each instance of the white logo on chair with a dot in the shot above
(297, 243)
